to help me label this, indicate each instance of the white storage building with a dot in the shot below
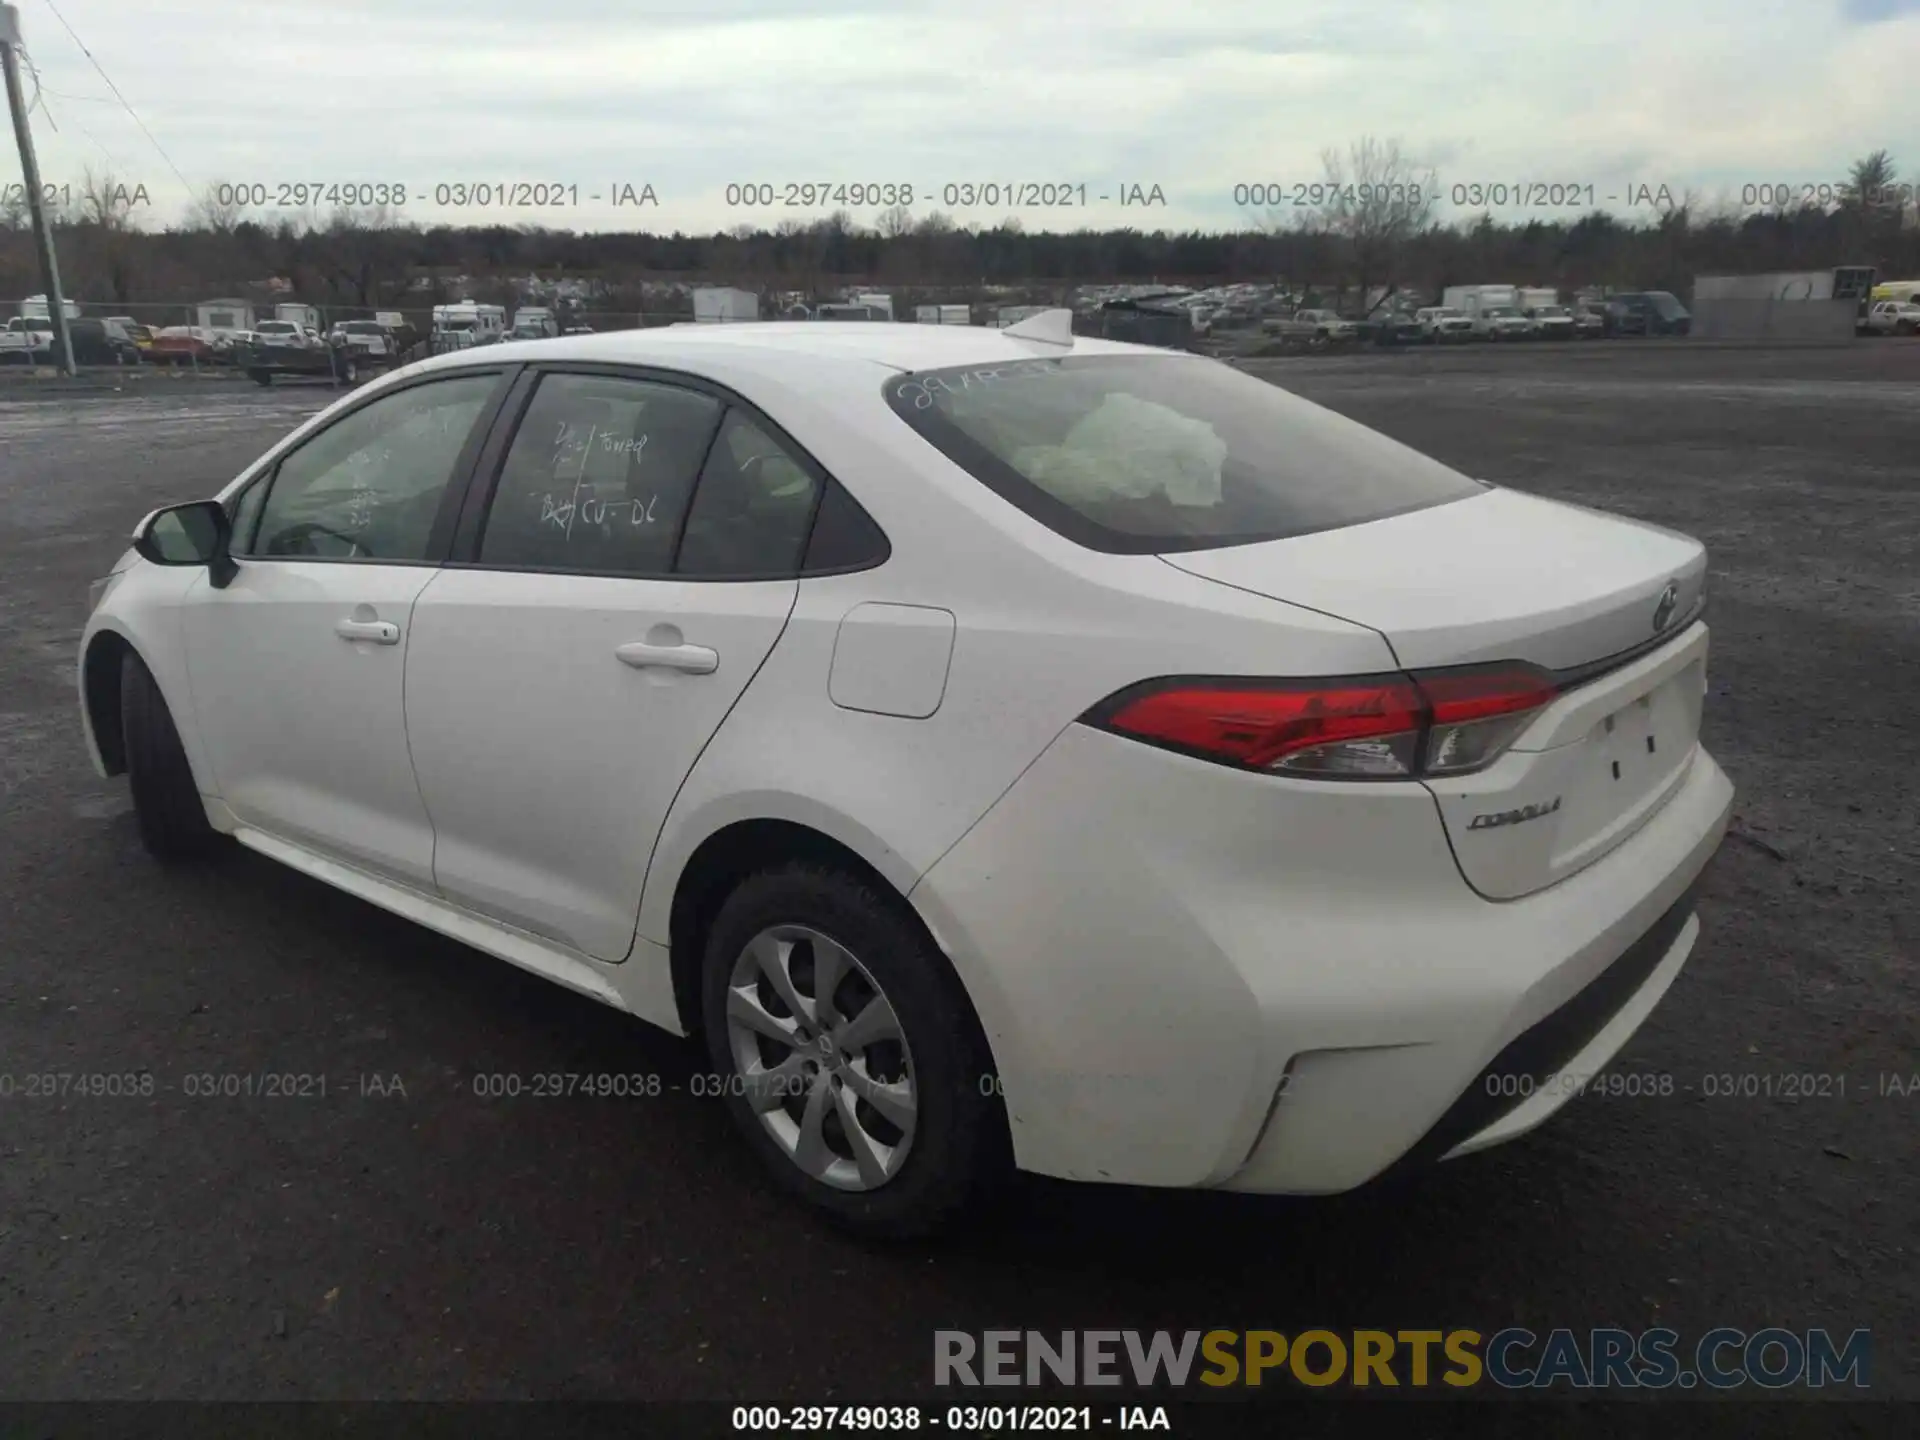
(719, 304)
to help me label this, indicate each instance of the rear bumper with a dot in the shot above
(1193, 977)
(1551, 1061)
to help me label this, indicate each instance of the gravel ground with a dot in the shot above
(410, 1240)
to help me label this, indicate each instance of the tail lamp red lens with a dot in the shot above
(1371, 726)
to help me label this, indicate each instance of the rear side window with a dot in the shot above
(751, 513)
(598, 476)
(844, 536)
(1140, 454)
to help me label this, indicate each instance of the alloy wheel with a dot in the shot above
(821, 1058)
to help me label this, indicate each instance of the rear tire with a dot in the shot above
(166, 801)
(955, 1153)
(261, 377)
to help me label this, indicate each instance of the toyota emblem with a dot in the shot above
(1663, 612)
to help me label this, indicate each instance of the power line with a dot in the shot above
(187, 184)
(40, 92)
(39, 102)
(82, 99)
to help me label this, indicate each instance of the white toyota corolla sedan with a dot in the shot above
(1004, 749)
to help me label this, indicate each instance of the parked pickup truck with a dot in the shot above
(1443, 325)
(26, 338)
(1314, 328)
(367, 338)
(1502, 322)
(275, 352)
(1891, 317)
(1551, 322)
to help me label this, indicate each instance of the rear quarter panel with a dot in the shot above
(1043, 630)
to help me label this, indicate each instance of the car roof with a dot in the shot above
(778, 348)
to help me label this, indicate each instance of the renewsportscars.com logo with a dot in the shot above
(1512, 1359)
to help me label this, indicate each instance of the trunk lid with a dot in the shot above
(1496, 576)
(1508, 576)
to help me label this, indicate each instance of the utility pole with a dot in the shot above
(30, 176)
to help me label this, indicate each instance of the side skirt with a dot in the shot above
(579, 973)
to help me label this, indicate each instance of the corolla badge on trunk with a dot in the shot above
(1663, 612)
(1496, 818)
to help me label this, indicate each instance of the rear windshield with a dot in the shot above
(1139, 454)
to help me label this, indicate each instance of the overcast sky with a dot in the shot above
(689, 96)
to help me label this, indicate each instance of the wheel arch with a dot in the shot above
(744, 846)
(102, 653)
(100, 666)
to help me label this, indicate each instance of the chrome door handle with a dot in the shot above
(693, 659)
(380, 632)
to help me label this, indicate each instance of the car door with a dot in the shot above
(297, 664)
(613, 592)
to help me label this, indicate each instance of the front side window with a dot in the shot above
(598, 476)
(369, 486)
(1140, 454)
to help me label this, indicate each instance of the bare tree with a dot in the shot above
(1376, 198)
(210, 212)
(360, 249)
(895, 222)
(105, 201)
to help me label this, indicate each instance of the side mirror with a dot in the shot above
(193, 534)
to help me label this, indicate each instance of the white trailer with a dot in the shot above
(35, 307)
(303, 315)
(1532, 297)
(849, 312)
(721, 304)
(534, 322)
(943, 314)
(466, 323)
(875, 300)
(1470, 300)
(224, 315)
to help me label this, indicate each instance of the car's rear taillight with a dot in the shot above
(1476, 712)
(1368, 727)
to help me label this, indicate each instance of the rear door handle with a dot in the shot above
(693, 659)
(380, 632)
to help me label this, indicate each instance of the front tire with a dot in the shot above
(848, 1053)
(166, 801)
